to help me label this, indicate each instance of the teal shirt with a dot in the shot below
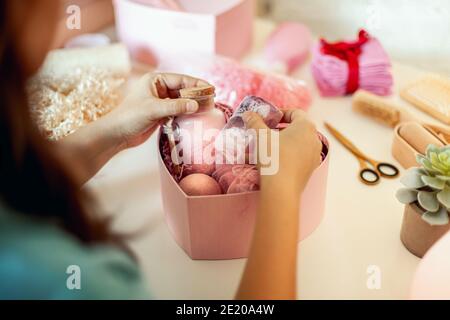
(35, 260)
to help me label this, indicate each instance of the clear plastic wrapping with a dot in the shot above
(234, 81)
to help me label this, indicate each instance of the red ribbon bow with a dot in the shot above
(349, 52)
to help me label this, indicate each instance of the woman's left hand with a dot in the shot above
(153, 99)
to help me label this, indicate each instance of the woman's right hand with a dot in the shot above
(299, 148)
(271, 267)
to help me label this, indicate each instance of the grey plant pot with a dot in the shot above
(416, 234)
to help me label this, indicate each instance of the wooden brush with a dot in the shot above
(379, 109)
(388, 113)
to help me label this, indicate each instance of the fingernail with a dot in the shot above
(191, 106)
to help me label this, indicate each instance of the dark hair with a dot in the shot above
(33, 180)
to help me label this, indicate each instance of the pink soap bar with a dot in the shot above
(288, 45)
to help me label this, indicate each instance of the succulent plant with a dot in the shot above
(429, 185)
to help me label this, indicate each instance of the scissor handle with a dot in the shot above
(387, 170)
(384, 169)
(368, 175)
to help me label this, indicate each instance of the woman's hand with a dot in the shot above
(271, 269)
(299, 148)
(151, 101)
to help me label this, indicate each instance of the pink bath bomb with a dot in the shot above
(247, 180)
(207, 169)
(199, 184)
(221, 169)
(226, 180)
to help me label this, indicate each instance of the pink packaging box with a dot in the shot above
(215, 27)
(220, 227)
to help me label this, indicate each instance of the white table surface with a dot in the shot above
(361, 226)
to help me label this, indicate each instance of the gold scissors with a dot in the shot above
(369, 176)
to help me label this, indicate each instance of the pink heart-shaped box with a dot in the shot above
(220, 227)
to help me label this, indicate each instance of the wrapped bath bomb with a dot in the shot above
(199, 184)
(247, 179)
(232, 145)
(237, 178)
(270, 114)
(225, 176)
